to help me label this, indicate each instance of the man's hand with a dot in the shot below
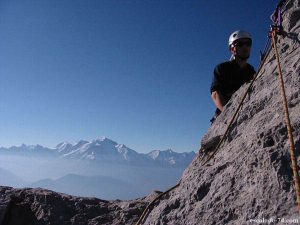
(218, 100)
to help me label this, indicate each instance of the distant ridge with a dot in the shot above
(104, 149)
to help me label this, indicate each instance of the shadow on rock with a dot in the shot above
(19, 214)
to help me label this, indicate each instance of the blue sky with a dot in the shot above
(135, 71)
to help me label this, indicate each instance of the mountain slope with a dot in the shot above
(100, 186)
(8, 178)
(103, 150)
(28, 150)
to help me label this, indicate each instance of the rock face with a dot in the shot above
(249, 180)
(43, 207)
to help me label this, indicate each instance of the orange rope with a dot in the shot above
(288, 124)
(151, 204)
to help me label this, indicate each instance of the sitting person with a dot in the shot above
(229, 76)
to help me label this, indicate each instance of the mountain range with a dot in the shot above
(101, 168)
(104, 150)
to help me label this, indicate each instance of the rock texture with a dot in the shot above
(44, 207)
(249, 180)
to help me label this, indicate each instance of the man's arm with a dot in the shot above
(218, 100)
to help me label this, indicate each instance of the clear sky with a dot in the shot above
(135, 71)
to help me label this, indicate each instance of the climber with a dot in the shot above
(229, 76)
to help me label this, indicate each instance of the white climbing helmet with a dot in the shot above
(236, 35)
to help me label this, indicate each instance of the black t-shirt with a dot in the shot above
(229, 77)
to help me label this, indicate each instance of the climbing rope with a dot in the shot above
(288, 122)
(151, 204)
(266, 49)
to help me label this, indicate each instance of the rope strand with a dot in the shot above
(147, 209)
(288, 123)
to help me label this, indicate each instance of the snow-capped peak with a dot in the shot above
(154, 154)
(120, 146)
(102, 138)
(104, 149)
(63, 145)
(81, 142)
